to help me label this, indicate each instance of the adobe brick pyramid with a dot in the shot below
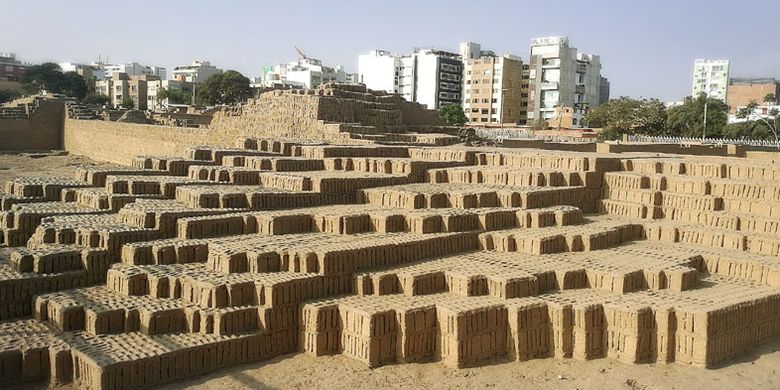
(132, 276)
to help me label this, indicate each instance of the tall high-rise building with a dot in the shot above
(603, 90)
(711, 77)
(495, 90)
(562, 77)
(427, 76)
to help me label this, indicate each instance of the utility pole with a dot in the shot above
(704, 130)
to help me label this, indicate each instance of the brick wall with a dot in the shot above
(118, 142)
(41, 131)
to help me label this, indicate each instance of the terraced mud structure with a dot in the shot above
(378, 243)
(128, 276)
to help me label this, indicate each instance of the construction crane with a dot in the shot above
(301, 53)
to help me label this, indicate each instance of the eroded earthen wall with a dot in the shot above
(41, 131)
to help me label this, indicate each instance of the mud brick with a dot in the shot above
(472, 334)
(529, 330)
(370, 337)
(509, 286)
(418, 333)
(461, 283)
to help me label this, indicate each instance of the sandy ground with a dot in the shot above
(13, 165)
(754, 370)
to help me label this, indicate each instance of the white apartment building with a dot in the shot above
(304, 73)
(711, 77)
(131, 69)
(197, 72)
(561, 76)
(427, 76)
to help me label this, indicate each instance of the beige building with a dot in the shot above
(495, 89)
(742, 91)
(121, 86)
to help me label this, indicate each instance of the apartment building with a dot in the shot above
(711, 77)
(562, 76)
(304, 73)
(495, 90)
(130, 69)
(122, 86)
(11, 69)
(742, 91)
(196, 73)
(427, 76)
(603, 90)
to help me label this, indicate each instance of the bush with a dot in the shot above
(609, 134)
(97, 99)
(7, 96)
(453, 114)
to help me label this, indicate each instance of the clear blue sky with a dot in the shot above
(647, 47)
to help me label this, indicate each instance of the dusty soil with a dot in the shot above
(13, 165)
(754, 370)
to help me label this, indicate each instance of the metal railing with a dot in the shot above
(504, 134)
(707, 141)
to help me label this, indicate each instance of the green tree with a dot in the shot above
(49, 77)
(687, 120)
(7, 95)
(629, 116)
(770, 98)
(127, 102)
(46, 76)
(224, 88)
(453, 114)
(769, 120)
(97, 99)
(72, 84)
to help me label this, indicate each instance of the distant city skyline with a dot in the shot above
(647, 49)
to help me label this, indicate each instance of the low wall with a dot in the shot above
(693, 150)
(119, 142)
(41, 131)
(541, 144)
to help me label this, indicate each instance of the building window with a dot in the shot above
(494, 100)
(484, 111)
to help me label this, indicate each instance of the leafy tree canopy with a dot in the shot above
(625, 115)
(48, 76)
(97, 99)
(687, 120)
(174, 96)
(453, 114)
(224, 88)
